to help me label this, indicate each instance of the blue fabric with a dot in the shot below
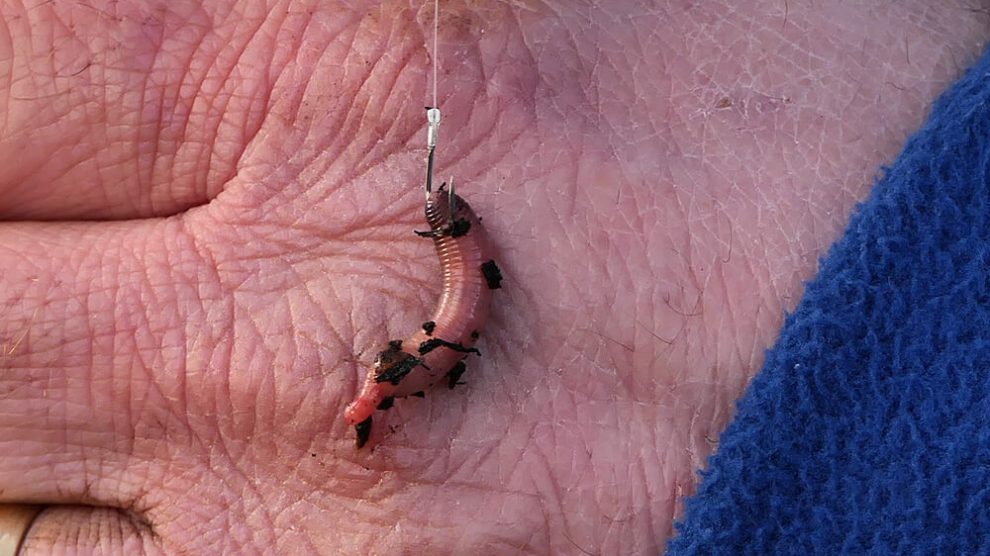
(868, 429)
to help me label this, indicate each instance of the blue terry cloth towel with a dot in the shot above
(868, 429)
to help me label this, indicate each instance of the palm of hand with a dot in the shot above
(657, 192)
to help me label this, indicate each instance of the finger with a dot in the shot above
(88, 530)
(90, 316)
(15, 520)
(127, 109)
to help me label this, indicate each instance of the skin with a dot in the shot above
(209, 210)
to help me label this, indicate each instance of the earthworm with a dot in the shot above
(436, 351)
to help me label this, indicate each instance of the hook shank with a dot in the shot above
(432, 132)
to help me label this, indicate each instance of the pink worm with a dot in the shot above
(408, 367)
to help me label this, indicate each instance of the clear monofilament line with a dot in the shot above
(436, 48)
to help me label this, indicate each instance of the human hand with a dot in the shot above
(658, 180)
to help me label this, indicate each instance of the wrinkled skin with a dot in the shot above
(245, 179)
